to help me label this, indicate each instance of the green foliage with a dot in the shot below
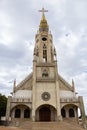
(3, 103)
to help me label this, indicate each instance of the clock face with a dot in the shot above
(44, 39)
(45, 96)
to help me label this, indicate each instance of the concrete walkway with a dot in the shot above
(8, 128)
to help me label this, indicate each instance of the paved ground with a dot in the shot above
(8, 128)
(45, 126)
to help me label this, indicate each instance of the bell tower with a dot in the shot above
(45, 73)
(44, 51)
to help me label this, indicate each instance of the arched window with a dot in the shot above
(17, 113)
(71, 113)
(27, 113)
(45, 53)
(45, 73)
(63, 112)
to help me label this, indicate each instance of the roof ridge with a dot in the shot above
(68, 85)
(25, 79)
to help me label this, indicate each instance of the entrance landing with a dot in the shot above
(50, 126)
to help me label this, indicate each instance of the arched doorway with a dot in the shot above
(45, 114)
(71, 113)
(17, 113)
(63, 112)
(27, 113)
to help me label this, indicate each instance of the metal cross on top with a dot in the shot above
(43, 10)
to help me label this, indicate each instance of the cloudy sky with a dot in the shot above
(19, 21)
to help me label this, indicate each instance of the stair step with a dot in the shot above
(63, 125)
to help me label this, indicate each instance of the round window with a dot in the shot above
(44, 38)
(45, 96)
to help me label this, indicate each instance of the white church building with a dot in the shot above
(44, 95)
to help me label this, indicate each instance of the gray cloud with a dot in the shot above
(19, 22)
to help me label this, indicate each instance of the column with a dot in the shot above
(13, 114)
(75, 111)
(59, 117)
(22, 113)
(52, 114)
(67, 112)
(8, 108)
(82, 111)
(34, 91)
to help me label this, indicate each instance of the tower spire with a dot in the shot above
(43, 22)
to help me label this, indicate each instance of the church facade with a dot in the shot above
(44, 95)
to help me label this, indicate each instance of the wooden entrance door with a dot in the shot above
(45, 114)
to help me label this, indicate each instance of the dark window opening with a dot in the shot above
(71, 113)
(44, 38)
(63, 112)
(26, 113)
(17, 113)
(45, 55)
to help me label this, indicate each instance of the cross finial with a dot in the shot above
(43, 10)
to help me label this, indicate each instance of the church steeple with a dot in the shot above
(44, 51)
(43, 23)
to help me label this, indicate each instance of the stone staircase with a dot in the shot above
(50, 126)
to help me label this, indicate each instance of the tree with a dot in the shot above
(3, 103)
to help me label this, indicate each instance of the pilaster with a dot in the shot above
(82, 111)
(57, 94)
(33, 91)
(8, 108)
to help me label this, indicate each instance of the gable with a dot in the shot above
(25, 84)
(64, 85)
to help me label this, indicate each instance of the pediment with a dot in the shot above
(64, 85)
(25, 84)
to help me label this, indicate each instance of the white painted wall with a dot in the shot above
(22, 94)
(66, 94)
(45, 87)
